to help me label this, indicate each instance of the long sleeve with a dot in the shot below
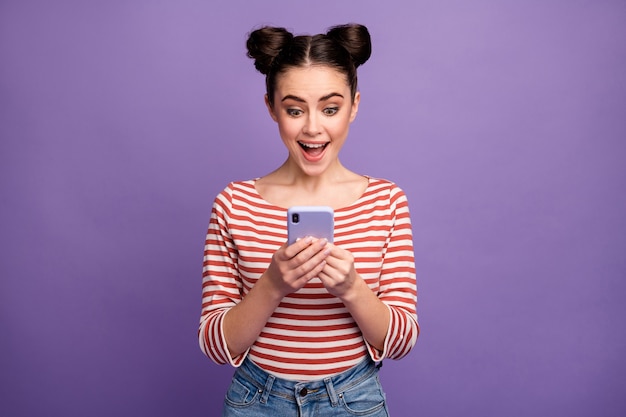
(221, 288)
(398, 288)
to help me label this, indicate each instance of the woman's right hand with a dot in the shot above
(294, 265)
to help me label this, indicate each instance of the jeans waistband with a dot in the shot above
(330, 387)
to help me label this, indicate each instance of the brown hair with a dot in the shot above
(275, 49)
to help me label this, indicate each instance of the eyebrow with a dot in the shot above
(301, 100)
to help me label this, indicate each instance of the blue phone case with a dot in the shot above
(316, 221)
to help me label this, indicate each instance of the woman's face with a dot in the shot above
(313, 109)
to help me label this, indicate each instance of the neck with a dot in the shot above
(292, 174)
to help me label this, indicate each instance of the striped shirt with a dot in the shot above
(311, 334)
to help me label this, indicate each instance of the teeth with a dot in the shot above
(312, 145)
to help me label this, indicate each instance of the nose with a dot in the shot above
(312, 126)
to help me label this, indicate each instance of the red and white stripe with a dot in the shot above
(311, 334)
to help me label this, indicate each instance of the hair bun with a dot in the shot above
(355, 38)
(265, 44)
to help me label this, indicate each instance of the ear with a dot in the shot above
(355, 106)
(270, 109)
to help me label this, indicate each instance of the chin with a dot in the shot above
(313, 171)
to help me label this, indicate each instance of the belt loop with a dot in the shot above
(331, 391)
(267, 389)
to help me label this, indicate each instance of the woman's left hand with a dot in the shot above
(339, 275)
(340, 278)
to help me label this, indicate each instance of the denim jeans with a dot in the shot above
(355, 392)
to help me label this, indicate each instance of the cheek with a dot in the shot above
(288, 128)
(340, 125)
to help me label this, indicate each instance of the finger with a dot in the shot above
(297, 247)
(311, 258)
(336, 268)
(314, 248)
(325, 277)
(329, 282)
(337, 255)
(310, 274)
(310, 262)
(333, 261)
(328, 274)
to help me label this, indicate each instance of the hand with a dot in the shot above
(295, 265)
(338, 275)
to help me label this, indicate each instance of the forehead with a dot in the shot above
(316, 80)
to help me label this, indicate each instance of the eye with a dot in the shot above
(294, 112)
(330, 111)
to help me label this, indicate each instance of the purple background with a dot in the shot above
(505, 123)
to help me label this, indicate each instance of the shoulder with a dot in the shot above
(241, 198)
(234, 191)
(238, 187)
(383, 188)
(246, 187)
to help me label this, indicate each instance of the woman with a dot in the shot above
(306, 323)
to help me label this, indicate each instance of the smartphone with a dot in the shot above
(316, 221)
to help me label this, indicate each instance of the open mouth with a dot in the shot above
(313, 148)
